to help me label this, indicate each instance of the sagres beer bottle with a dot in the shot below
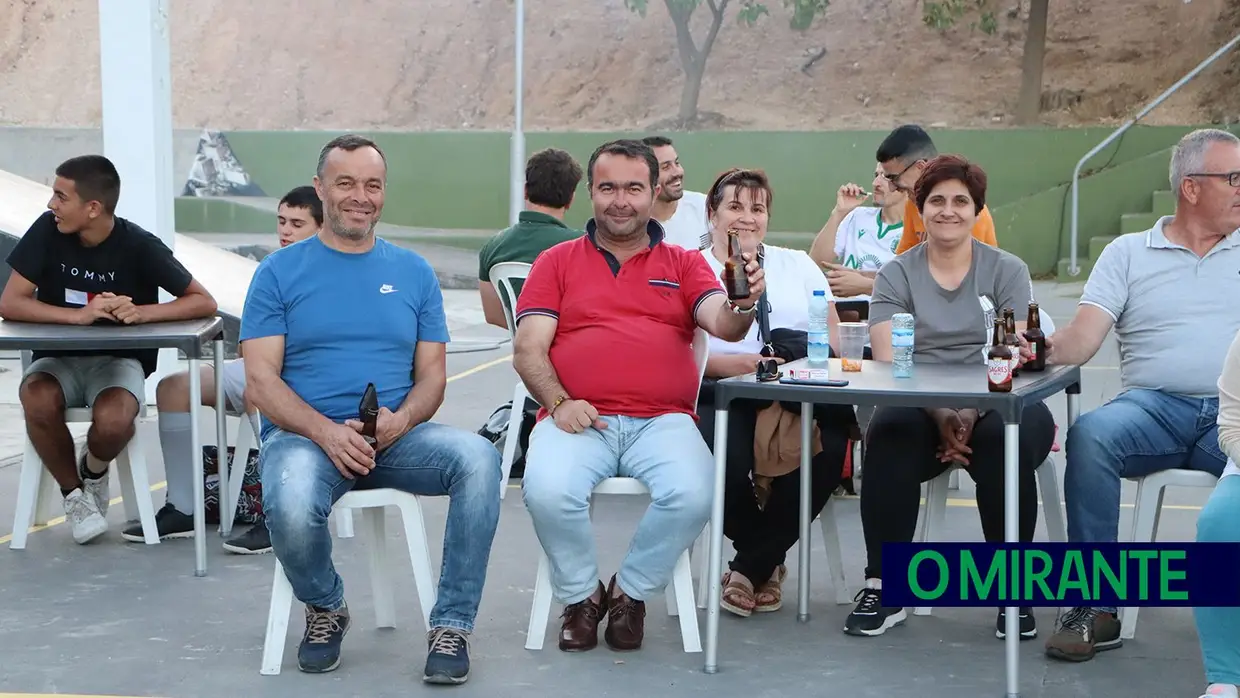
(368, 413)
(999, 361)
(1036, 339)
(1009, 325)
(735, 280)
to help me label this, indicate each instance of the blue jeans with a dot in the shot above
(1219, 628)
(1138, 433)
(300, 485)
(665, 453)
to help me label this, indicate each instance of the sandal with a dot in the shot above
(737, 595)
(769, 596)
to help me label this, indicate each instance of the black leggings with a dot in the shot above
(901, 443)
(762, 537)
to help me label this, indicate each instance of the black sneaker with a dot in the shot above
(169, 522)
(447, 661)
(319, 651)
(255, 541)
(871, 617)
(1028, 626)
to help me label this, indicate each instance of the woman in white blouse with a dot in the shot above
(740, 200)
(1219, 628)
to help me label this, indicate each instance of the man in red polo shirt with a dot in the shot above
(605, 327)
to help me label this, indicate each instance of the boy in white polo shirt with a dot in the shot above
(857, 241)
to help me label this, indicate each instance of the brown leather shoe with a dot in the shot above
(626, 620)
(579, 632)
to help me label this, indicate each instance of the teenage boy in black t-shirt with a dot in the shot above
(78, 264)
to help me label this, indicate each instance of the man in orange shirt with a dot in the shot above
(903, 155)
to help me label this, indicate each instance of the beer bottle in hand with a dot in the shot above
(1009, 326)
(999, 361)
(1036, 339)
(368, 413)
(735, 280)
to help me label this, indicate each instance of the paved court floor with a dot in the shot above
(119, 619)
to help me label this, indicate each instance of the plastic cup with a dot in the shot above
(853, 336)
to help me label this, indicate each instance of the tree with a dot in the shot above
(1033, 59)
(941, 14)
(693, 55)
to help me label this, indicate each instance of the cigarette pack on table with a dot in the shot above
(809, 374)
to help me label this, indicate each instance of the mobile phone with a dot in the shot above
(832, 383)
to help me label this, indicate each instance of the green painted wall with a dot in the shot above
(1040, 226)
(206, 215)
(460, 179)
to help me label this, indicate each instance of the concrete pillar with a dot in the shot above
(137, 121)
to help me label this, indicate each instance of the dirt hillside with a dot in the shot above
(593, 65)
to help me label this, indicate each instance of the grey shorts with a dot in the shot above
(82, 378)
(234, 387)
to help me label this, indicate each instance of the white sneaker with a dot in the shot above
(84, 518)
(97, 488)
(1220, 690)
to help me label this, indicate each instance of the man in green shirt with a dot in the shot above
(551, 179)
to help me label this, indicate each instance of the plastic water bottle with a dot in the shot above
(902, 345)
(817, 338)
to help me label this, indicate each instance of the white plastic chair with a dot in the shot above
(38, 493)
(936, 509)
(247, 438)
(1145, 519)
(679, 592)
(502, 276)
(830, 532)
(829, 528)
(372, 502)
(248, 429)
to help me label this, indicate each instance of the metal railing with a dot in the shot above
(1073, 268)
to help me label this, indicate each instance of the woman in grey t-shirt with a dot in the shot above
(953, 285)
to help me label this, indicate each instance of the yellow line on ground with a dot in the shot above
(160, 485)
(480, 367)
(58, 695)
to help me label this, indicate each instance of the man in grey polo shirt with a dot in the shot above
(1170, 293)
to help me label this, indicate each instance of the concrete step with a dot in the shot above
(1164, 203)
(1086, 264)
(1098, 242)
(1137, 222)
(1085, 261)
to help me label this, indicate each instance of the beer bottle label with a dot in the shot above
(998, 370)
(1015, 360)
(1033, 351)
